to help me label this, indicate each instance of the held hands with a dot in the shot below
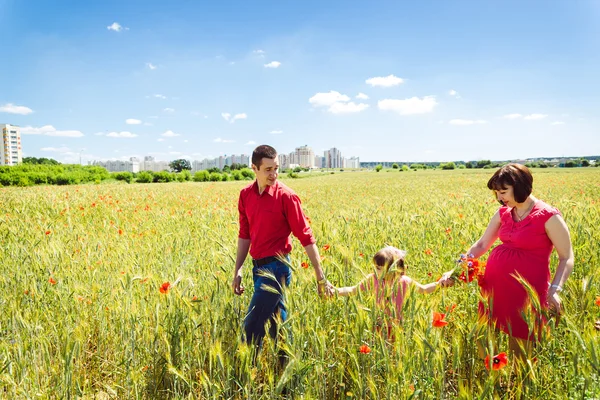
(446, 280)
(236, 284)
(325, 288)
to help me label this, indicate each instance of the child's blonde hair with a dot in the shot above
(389, 258)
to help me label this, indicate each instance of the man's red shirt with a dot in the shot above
(267, 219)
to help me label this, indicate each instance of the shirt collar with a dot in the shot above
(270, 190)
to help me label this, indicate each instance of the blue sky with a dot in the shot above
(382, 80)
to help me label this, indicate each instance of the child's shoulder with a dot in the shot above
(406, 279)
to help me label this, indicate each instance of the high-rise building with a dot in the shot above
(305, 157)
(333, 158)
(11, 153)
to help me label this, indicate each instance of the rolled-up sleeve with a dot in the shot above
(297, 220)
(244, 226)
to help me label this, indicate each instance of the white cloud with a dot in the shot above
(467, 121)
(169, 110)
(148, 124)
(159, 96)
(49, 130)
(115, 27)
(259, 51)
(151, 66)
(240, 116)
(251, 142)
(347, 108)
(557, 123)
(453, 93)
(170, 134)
(121, 135)
(185, 141)
(99, 134)
(534, 117)
(276, 132)
(56, 149)
(362, 96)
(273, 64)
(411, 106)
(219, 140)
(13, 109)
(227, 117)
(512, 116)
(160, 140)
(132, 121)
(336, 103)
(327, 99)
(384, 81)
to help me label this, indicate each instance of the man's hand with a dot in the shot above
(326, 289)
(236, 284)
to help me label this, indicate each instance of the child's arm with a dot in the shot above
(422, 288)
(350, 290)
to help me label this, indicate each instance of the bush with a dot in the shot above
(201, 176)
(449, 165)
(214, 177)
(123, 176)
(293, 175)
(247, 173)
(144, 177)
(236, 175)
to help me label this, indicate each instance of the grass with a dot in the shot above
(104, 329)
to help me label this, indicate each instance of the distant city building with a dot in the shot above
(305, 157)
(333, 158)
(11, 153)
(133, 165)
(352, 162)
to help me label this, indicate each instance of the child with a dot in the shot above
(389, 283)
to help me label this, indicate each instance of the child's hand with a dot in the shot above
(446, 280)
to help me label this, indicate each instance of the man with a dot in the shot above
(269, 212)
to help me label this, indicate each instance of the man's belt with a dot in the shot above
(263, 261)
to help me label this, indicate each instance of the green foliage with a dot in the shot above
(293, 175)
(570, 164)
(42, 160)
(405, 168)
(247, 173)
(448, 165)
(164, 176)
(180, 165)
(378, 168)
(201, 176)
(298, 169)
(123, 176)
(144, 177)
(395, 166)
(214, 177)
(67, 174)
(585, 163)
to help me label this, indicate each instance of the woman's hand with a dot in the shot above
(554, 302)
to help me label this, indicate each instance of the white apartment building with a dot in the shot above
(352, 162)
(133, 165)
(11, 153)
(305, 157)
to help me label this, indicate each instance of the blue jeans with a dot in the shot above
(267, 305)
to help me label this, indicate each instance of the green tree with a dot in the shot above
(585, 163)
(378, 168)
(395, 166)
(448, 165)
(180, 165)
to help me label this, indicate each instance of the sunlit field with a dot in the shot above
(123, 291)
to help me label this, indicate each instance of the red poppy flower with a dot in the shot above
(364, 349)
(498, 362)
(451, 308)
(448, 230)
(164, 288)
(304, 264)
(326, 247)
(361, 255)
(48, 232)
(439, 320)
(598, 301)
(52, 281)
(428, 252)
(120, 231)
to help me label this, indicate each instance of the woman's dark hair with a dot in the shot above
(515, 175)
(263, 151)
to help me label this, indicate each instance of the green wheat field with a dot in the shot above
(83, 314)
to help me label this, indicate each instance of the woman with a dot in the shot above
(528, 229)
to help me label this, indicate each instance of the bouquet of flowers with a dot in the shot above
(468, 268)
